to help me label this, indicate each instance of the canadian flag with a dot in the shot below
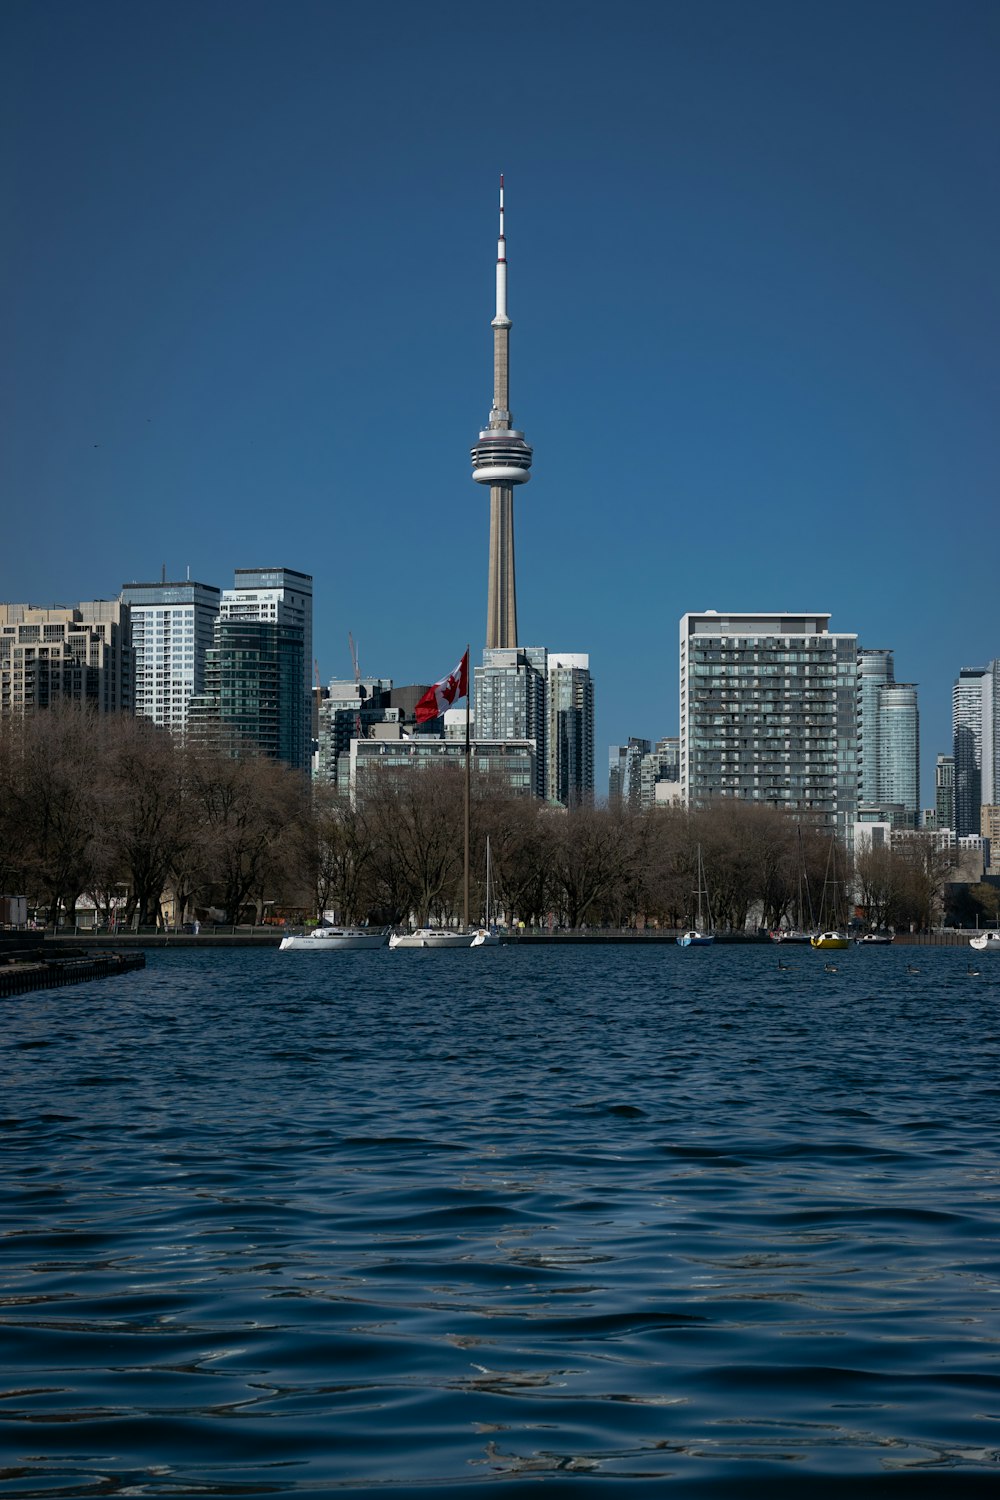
(443, 694)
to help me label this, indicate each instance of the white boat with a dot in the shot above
(696, 937)
(986, 942)
(433, 937)
(453, 937)
(881, 938)
(333, 939)
(487, 937)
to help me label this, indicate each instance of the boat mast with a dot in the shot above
(468, 806)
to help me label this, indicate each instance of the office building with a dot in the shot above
(569, 729)
(768, 706)
(625, 773)
(502, 459)
(172, 630)
(81, 654)
(510, 701)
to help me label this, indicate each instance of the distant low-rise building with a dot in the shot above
(511, 763)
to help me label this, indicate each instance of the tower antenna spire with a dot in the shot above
(501, 459)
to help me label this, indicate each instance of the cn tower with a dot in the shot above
(501, 459)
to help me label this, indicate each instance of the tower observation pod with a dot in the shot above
(501, 458)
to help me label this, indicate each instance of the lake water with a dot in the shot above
(652, 1219)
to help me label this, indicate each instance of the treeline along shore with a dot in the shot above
(148, 833)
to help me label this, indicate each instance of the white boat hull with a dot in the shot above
(986, 942)
(432, 937)
(333, 940)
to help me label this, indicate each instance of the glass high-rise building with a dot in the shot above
(899, 749)
(968, 706)
(625, 773)
(172, 629)
(944, 791)
(252, 678)
(510, 700)
(975, 717)
(257, 670)
(570, 729)
(875, 671)
(768, 713)
(888, 740)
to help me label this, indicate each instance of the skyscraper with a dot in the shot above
(501, 459)
(257, 671)
(875, 670)
(967, 732)
(172, 625)
(510, 701)
(975, 718)
(570, 729)
(888, 723)
(899, 750)
(768, 713)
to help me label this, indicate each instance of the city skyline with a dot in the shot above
(759, 361)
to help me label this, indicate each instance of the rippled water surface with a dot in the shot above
(681, 1220)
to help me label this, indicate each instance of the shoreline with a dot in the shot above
(259, 939)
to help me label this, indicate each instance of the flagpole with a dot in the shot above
(468, 791)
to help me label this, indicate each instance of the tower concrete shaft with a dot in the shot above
(501, 459)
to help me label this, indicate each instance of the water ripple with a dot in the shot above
(547, 1218)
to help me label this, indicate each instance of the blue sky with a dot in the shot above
(248, 281)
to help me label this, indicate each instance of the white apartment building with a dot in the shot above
(172, 626)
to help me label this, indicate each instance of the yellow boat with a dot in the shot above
(830, 940)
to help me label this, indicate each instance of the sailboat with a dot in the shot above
(832, 938)
(798, 934)
(696, 937)
(487, 937)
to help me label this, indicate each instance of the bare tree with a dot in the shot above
(415, 819)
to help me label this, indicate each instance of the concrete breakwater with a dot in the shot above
(27, 963)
